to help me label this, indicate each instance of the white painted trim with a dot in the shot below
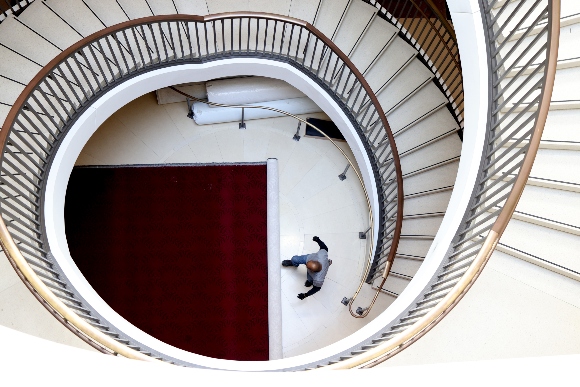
(274, 272)
(89, 122)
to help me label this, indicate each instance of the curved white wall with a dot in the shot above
(90, 121)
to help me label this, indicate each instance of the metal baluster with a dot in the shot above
(342, 176)
(163, 38)
(120, 47)
(149, 49)
(297, 134)
(154, 43)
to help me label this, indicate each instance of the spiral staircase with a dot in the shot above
(421, 100)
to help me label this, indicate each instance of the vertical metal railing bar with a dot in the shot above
(497, 33)
(528, 108)
(518, 42)
(523, 69)
(499, 133)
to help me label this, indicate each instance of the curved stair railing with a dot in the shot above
(518, 109)
(59, 94)
(423, 26)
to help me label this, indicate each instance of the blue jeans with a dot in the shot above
(301, 260)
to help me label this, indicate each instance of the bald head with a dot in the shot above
(314, 266)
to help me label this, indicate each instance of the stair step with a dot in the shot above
(429, 192)
(354, 25)
(565, 21)
(549, 183)
(411, 257)
(562, 64)
(397, 54)
(546, 264)
(135, 9)
(76, 14)
(410, 80)
(16, 36)
(434, 202)
(330, 15)
(553, 145)
(108, 11)
(424, 225)
(560, 126)
(164, 7)
(435, 180)
(554, 105)
(550, 208)
(378, 35)
(15, 67)
(562, 249)
(45, 23)
(199, 7)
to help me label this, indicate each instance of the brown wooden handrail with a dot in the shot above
(96, 337)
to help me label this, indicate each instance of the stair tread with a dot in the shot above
(39, 18)
(329, 16)
(556, 205)
(378, 34)
(77, 14)
(562, 248)
(354, 23)
(108, 11)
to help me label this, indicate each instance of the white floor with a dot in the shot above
(514, 310)
(313, 201)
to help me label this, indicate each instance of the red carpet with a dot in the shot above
(178, 251)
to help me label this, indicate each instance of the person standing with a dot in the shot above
(317, 265)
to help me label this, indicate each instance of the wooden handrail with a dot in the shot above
(97, 337)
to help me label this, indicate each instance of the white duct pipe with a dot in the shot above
(204, 115)
(244, 91)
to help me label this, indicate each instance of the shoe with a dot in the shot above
(287, 262)
(308, 284)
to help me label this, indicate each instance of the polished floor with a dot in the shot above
(313, 201)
